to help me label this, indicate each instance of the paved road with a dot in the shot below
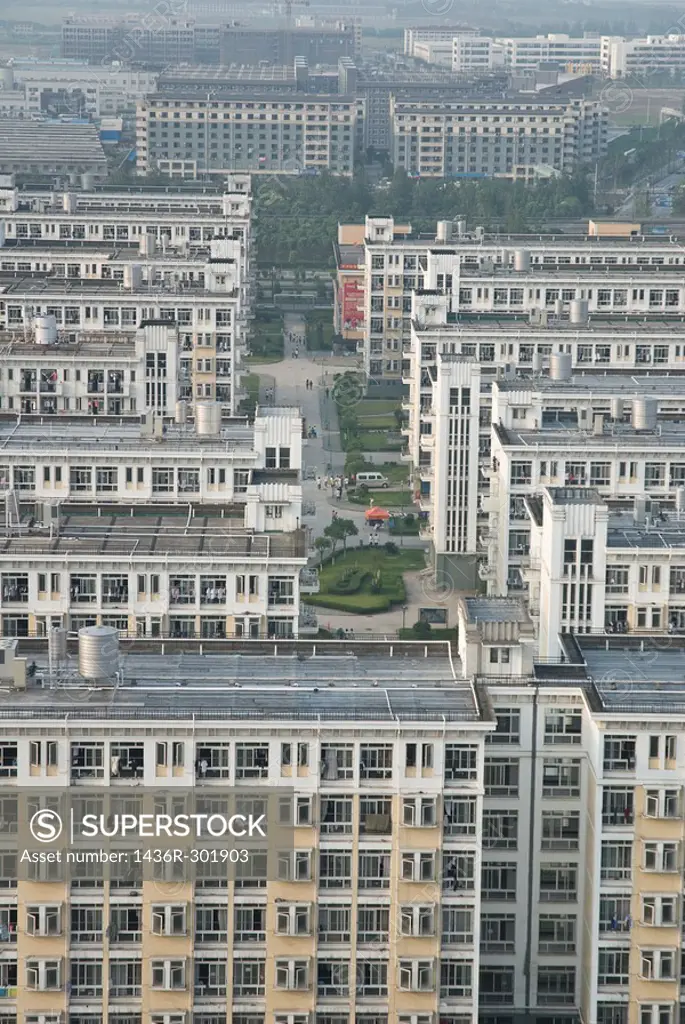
(323, 455)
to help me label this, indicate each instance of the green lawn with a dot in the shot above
(384, 422)
(402, 528)
(377, 407)
(377, 441)
(372, 578)
(386, 498)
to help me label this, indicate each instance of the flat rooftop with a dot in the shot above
(632, 674)
(599, 384)
(598, 327)
(137, 531)
(495, 609)
(125, 253)
(387, 682)
(17, 284)
(91, 436)
(29, 142)
(668, 435)
(575, 496)
(663, 532)
(98, 345)
(603, 274)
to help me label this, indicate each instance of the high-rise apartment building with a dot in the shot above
(514, 138)
(496, 847)
(176, 265)
(197, 134)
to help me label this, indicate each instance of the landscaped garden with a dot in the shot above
(366, 580)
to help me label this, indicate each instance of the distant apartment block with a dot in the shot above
(196, 134)
(517, 138)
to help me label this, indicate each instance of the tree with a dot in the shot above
(340, 530)
(323, 546)
(347, 529)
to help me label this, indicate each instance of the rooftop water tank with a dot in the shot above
(46, 329)
(98, 652)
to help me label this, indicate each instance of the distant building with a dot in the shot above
(248, 44)
(132, 38)
(514, 138)
(250, 131)
(471, 54)
(55, 88)
(431, 34)
(624, 57)
(437, 52)
(582, 54)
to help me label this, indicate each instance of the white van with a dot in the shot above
(372, 480)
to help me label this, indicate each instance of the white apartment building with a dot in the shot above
(471, 362)
(209, 310)
(650, 55)
(242, 465)
(430, 34)
(179, 570)
(109, 374)
(434, 52)
(516, 138)
(594, 569)
(176, 220)
(395, 266)
(525, 53)
(623, 461)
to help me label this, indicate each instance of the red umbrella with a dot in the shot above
(377, 513)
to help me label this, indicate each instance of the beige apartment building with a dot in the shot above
(489, 848)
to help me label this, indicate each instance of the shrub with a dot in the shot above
(391, 547)
(359, 604)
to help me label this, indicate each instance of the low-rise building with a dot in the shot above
(49, 149)
(434, 52)
(61, 87)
